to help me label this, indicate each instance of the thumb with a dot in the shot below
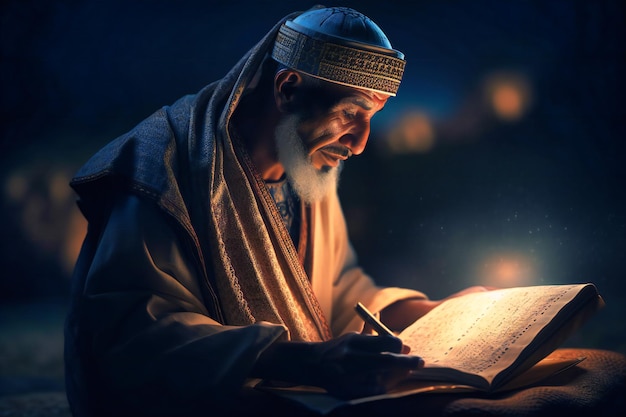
(367, 329)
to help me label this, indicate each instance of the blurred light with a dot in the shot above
(507, 102)
(502, 269)
(15, 187)
(46, 212)
(509, 95)
(412, 133)
(59, 190)
(77, 230)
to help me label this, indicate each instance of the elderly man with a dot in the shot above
(217, 251)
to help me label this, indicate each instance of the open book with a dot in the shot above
(487, 341)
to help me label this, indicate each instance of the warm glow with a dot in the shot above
(413, 132)
(46, 211)
(506, 270)
(508, 95)
(507, 102)
(77, 229)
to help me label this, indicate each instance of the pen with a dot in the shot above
(370, 319)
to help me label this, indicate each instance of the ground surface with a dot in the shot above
(31, 360)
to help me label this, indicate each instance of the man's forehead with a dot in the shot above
(336, 95)
(362, 97)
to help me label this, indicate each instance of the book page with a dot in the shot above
(483, 333)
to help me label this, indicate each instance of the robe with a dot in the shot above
(187, 272)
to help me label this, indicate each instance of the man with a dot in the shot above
(217, 251)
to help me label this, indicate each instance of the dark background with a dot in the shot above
(452, 191)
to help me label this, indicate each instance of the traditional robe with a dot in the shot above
(188, 273)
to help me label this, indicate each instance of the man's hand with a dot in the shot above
(353, 365)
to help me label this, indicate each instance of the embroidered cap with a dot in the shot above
(340, 45)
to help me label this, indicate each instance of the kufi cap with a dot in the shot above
(340, 45)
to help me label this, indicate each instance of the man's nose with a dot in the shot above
(356, 138)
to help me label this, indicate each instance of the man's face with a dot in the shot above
(328, 127)
(335, 124)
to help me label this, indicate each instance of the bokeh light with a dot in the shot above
(413, 132)
(506, 269)
(508, 94)
(45, 211)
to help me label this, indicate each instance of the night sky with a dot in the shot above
(500, 161)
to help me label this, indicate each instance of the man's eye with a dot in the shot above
(349, 114)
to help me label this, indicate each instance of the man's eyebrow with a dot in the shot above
(360, 101)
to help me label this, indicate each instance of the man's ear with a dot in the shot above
(286, 84)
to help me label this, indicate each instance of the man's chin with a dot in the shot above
(310, 183)
(317, 184)
(325, 169)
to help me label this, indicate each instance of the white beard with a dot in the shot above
(310, 183)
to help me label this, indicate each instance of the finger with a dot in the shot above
(393, 362)
(375, 344)
(361, 362)
(367, 329)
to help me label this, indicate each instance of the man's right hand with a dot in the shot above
(350, 366)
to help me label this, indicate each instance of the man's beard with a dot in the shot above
(309, 183)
